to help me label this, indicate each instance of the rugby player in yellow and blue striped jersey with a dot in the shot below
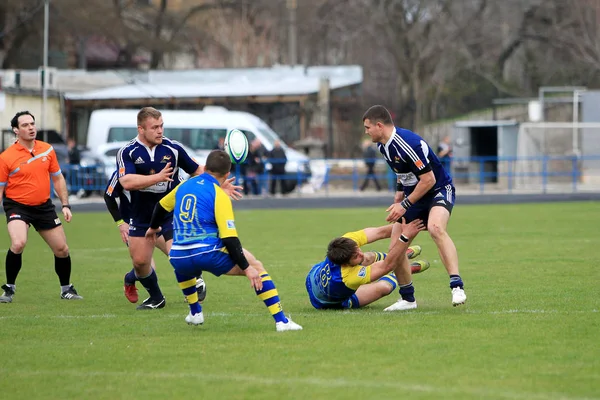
(352, 278)
(205, 239)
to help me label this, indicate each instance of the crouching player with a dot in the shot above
(205, 239)
(351, 278)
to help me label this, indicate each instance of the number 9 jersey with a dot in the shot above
(202, 214)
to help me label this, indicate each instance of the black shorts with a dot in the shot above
(42, 217)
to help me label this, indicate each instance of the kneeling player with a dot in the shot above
(351, 278)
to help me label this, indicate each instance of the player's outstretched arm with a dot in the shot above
(409, 231)
(375, 234)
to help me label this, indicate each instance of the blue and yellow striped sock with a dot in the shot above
(270, 296)
(391, 279)
(379, 256)
(188, 287)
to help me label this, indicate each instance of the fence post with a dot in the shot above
(481, 174)
(544, 173)
(510, 174)
(575, 173)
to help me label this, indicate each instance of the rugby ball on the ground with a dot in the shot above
(236, 145)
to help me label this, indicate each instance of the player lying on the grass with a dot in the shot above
(120, 212)
(351, 278)
(205, 239)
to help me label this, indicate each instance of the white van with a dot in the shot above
(198, 130)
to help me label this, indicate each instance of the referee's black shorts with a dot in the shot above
(42, 217)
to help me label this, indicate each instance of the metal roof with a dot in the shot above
(214, 83)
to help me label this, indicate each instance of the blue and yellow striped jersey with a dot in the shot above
(333, 283)
(202, 213)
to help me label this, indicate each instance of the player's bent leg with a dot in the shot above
(268, 294)
(141, 251)
(371, 292)
(438, 222)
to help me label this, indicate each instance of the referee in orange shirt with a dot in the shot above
(25, 171)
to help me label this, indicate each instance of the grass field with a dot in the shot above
(530, 328)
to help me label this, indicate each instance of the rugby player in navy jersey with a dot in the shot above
(120, 212)
(350, 277)
(206, 239)
(148, 168)
(425, 191)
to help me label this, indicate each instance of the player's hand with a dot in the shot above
(166, 173)
(411, 229)
(254, 277)
(124, 231)
(151, 234)
(396, 211)
(67, 213)
(233, 191)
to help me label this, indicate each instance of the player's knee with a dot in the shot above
(61, 251)
(436, 230)
(258, 265)
(17, 246)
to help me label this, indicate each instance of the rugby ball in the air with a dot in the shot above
(236, 145)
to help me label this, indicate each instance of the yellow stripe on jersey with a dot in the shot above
(224, 214)
(168, 202)
(360, 237)
(354, 276)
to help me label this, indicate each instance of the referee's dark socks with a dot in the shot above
(150, 282)
(407, 292)
(456, 281)
(62, 266)
(13, 266)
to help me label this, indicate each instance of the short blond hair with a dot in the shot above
(147, 112)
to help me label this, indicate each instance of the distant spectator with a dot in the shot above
(370, 156)
(444, 153)
(278, 159)
(255, 167)
(74, 153)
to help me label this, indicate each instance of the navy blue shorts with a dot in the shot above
(192, 262)
(137, 229)
(444, 197)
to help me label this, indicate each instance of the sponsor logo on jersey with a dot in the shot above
(165, 159)
(363, 272)
(139, 161)
(441, 202)
(12, 216)
(230, 224)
